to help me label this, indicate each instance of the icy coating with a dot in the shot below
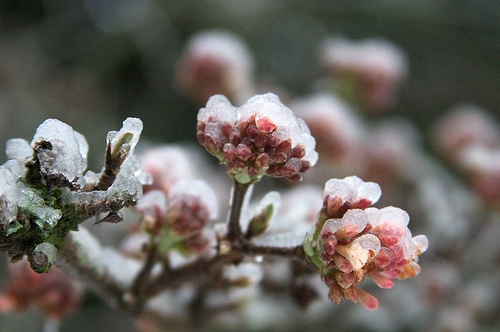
(260, 137)
(59, 152)
(354, 241)
(350, 192)
(44, 193)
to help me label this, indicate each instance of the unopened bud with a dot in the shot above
(43, 257)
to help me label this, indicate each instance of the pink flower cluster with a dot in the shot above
(377, 67)
(470, 139)
(178, 219)
(260, 137)
(358, 242)
(215, 62)
(53, 293)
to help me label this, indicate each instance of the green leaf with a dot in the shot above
(13, 227)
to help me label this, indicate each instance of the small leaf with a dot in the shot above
(125, 139)
(112, 217)
(242, 177)
(260, 222)
(13, 227)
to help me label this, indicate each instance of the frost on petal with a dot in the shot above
(218, 109)
(389, 224)
(269, 112)
(365, 190)
(58, 151)
(421, 242)
(309, 144)
(352, 223)
(215, 123)
(195, 190)
(350, 192)
(153, 209)
(360, 250)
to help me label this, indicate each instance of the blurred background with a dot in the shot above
(93, 63)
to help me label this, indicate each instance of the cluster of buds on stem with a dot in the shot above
(369, 71)
(178, 220)
(53, 293)
(353, 241)
(260, 137)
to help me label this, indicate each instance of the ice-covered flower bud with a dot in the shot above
(61, 153)
(119, 158)
(369, 243)
(152, 209)
(215, 62)
(388, 149)
(339, 195)
(178, 221)
(369, 70)
(338, 132)
(191, 205)
(361, 242)
(215, 124)
(167, 164)
(463, 126)
(481, 165)
(260, 137)
(53, 293)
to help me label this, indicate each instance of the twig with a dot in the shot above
(136, 294)
(238, 197)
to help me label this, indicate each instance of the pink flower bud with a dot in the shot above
(348, 193)
(464, 126)
(370, 243)
(215, 62)
(53, 293)
(261, 137)
(191, 205)
(359, 242)
(167, 164)
(375, 66)
(338, 132)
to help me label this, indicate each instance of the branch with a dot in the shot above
(103, 268)
(238, 198)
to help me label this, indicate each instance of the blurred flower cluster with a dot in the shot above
(196, 249)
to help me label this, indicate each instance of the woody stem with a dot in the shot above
(238, 196)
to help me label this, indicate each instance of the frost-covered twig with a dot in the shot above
(102, 268)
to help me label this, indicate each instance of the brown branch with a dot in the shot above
(135, 296)
(238, 197)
